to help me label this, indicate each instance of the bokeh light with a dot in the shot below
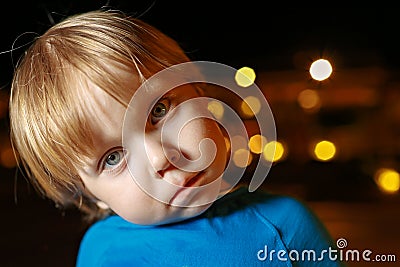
(388, 180)
(324, 150)
(274, 151)
(245, 76)
(309, 100)
(321, 69)
(216, 108)
(257, 143)
(250, 106)
(242, 158)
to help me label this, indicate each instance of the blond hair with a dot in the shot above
(49, 127)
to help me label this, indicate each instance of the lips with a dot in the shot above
(187, 189)
(192, 181)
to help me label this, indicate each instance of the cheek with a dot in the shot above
(112, 188)
(196, 131)
(126, 199)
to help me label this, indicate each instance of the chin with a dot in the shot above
(168, 215)
(188, 213)
(178, 214)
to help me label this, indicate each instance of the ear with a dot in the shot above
(102, 205)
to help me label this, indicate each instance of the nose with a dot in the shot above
(161, 156)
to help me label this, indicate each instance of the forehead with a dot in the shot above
(103, 110)
(117, 82)
(100, 105)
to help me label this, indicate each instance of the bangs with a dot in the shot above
(56, 125)
(80, 118)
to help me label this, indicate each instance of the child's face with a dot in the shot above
(112, 174)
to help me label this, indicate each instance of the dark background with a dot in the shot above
(279, 42)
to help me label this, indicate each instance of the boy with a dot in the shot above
(149, 172)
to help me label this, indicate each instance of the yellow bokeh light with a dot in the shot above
(245, 76)
(250, 106)
(216, 108)
(256, 143)
(273, 151)
(242, 158)
(388, 180)
(309, 99)
(321, 69)
(324, 150)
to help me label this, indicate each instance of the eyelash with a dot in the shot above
(167, 105)
(118, 166)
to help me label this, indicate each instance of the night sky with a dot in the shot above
(245, 33)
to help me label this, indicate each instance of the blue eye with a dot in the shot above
(113, 159)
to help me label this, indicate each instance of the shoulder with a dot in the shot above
(289, 217)
(282, 208)
(100, 239)
(108, 226)
(296, 223)
(285, 211)
(273, 207)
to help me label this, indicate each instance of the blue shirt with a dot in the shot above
(240, 229)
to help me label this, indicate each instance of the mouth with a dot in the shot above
(194, 181)
(188, 188)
